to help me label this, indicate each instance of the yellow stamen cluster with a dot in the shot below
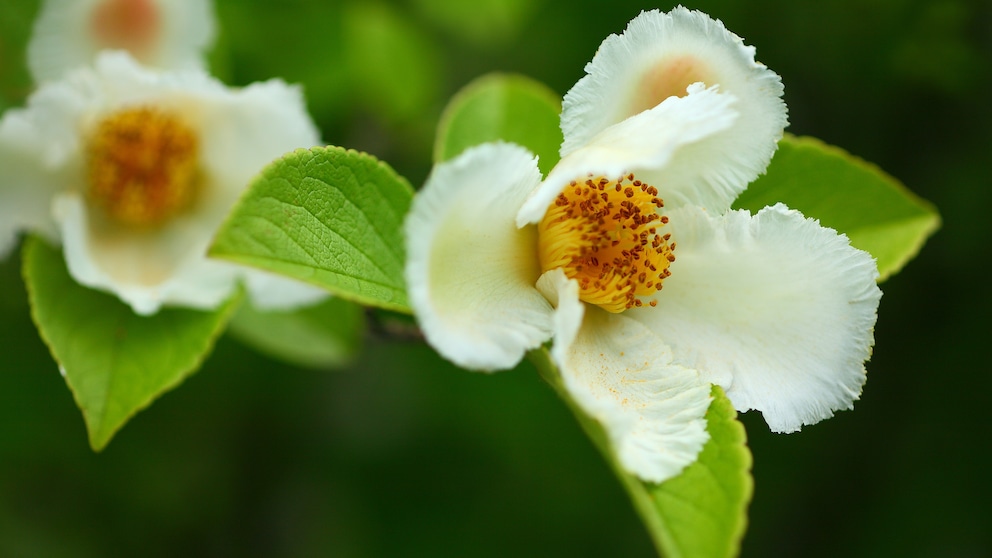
(605, 234)
(142, 166)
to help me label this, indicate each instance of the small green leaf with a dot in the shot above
(854, 197)
(114, 361)
(502, 107)
(705, 508)
(701, 512)
(319, 336)
(328, 216)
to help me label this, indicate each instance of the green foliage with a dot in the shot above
(114, 361)
(856, 198)
(701, 512)
(394, 62)
(327, 334)
(15, 27)
(327, 85)
(486, 23)
(502, 107)
(328, 216)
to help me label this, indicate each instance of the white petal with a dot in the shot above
(271, 292)
(64, 36)
(647, 144)
(659, 54)
(244, 130)
(147, 271)
(563, 294)
(622, 375)
(188, 32)
(470, 271)
(26, 186)
(48, 128)
(774, 308)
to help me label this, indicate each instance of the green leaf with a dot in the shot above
(319, 336)
(502, 107)
(854, 197)
(328, 216)
(705, 508)
(114, 361)
(701, 512)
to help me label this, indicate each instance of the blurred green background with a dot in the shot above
(401, 454)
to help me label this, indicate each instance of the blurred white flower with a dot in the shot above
(166, 34)
(673, 121)
(133, 170)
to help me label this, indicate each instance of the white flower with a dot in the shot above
(133, 170)
(166, 34)
(672, 122)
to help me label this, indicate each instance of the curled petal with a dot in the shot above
(776, 309)
(470, 271)
(649, 141)
(622, 375)
(658, 56)
(563, 294)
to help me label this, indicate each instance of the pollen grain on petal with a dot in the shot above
(142, 166)
(607, 235)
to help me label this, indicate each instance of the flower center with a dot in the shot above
(132, 25)
(606, 235)
(142, 166)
